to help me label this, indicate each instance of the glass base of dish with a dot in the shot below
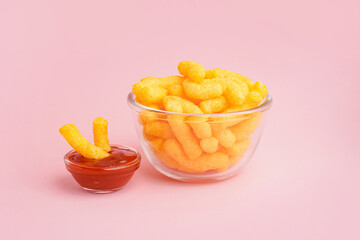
(102, 191)
(195, 178)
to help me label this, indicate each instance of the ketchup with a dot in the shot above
(105, 175)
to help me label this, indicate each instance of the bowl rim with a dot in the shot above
(263, 106)
(130, 164)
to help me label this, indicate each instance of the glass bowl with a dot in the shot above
(199, 147)
(103, 178)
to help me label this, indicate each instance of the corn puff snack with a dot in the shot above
(100, 132)
(80, 144)
(197, 144)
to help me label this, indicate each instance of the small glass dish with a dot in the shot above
(173, 144)
(103, 176)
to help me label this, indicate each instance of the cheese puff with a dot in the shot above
(247, 80)
(152, 94)
(169, 81)
(236, 93)
(238, 149)
(226, 138)
(100, 132)
(145, 82)
(201, 128)
(202, 91)
(209, 161)
(187, 106)
(150, 105)
(186, 137)
(171, 163)
(152, 89)
(213, 73)
(163, 82)
(173, 148)
(172, 105)
(197, 73)
(235, 90)
(214, 105)
(253, 98)
(221, 123)
(203, 163)
(159, 129)
(80, 144)
(166, 159)
(209, 145)
(261, 88)
(199, 125)
(156, 144)
(245, 128)
(175, 90)
(185, 66)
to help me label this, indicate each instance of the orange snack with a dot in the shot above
(245, 128)
(186, 137)
(159, 129)
(202, 91)
(239, 148)
(209, 145)
(80, 144)
(188, 141)
(214, 105)
(204, 163)
(100, 132)
(225, 137)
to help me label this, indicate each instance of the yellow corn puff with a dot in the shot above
(239, 148)
(172, 105)
(226, 138)
(245, 128)
(80, 144)
(152, 94)
(100, 132)
(201, 128)
(202, 91)
(247, 80)
(209, 145)
(213, 73)
(185, 66)
(253, 98)
(159, 129)
(156, 144)
(197, 73)
(157, 106)
(187, 106)
(199, 125)
(261, 88)
(236, 93)
(220, 123)
(209, 161)
(214, 105)
(175, 90)
(171, 163)
(203, 163)
(186, 137)
(169, 81)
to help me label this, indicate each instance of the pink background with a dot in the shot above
(71, 61)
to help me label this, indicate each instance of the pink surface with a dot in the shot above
(71, 61)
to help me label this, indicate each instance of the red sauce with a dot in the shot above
(104, 175)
